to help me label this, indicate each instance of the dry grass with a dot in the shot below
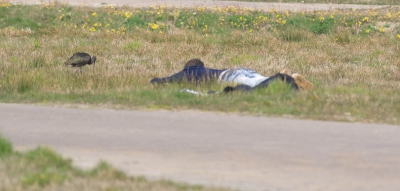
(356, 71)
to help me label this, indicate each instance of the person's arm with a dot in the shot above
(178, 77)
(189, 74)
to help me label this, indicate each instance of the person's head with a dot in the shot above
(194, 62)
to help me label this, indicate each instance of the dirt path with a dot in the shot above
(248, 153)
(208, 3)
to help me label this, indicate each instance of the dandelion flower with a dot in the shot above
(94, 14)
(153, 26)
(128, 14)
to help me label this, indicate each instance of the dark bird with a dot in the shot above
(80, 59)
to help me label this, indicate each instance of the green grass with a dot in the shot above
(349, 55)
(43, 169)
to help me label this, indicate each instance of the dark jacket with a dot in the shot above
(196, 74)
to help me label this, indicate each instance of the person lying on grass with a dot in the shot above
(246, 79)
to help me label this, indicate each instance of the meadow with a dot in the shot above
(351, 56)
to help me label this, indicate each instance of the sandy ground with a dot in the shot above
(208, 3)
(242, 152)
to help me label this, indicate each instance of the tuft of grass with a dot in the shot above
(293, 34)
(50, 167)
(6, 147)
(134, 22)
(106, 171)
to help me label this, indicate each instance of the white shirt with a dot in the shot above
(242, 76)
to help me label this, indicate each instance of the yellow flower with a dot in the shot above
(128, 14)
(365, 19)
(92, 29)
(153, 26)
(94, 14)
(398, 35)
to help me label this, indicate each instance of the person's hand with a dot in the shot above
(155, 80)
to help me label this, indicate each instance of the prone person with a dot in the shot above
(246, 79)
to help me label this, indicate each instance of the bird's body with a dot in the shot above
(80, 59)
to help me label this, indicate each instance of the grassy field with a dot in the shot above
(43, 169)
(362, 2)
(351, 56)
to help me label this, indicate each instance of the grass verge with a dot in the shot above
(43, 169)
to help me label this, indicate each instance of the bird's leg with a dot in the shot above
(79, 70)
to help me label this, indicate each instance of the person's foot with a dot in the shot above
(285, 71)
(299, 79)
(302, 82)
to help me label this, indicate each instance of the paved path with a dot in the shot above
(207, 3)
(244, 152)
